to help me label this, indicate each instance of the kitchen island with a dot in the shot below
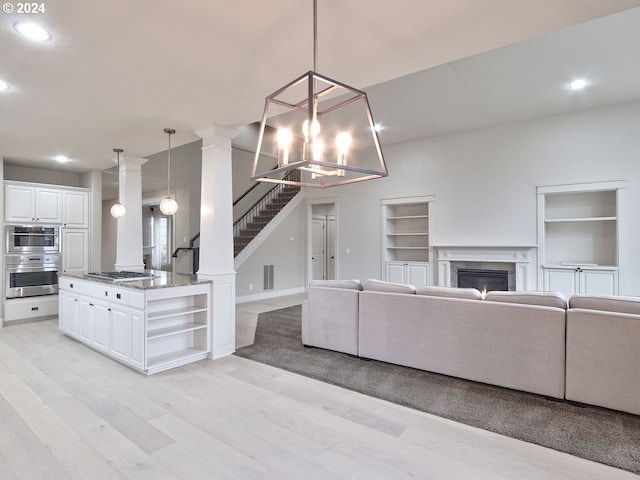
(151, 324)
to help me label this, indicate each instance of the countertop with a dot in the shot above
(161, 279)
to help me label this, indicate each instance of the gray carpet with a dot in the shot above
(597, 434)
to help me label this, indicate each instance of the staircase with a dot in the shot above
(262, 212)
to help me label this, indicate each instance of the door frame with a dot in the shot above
(310, 204)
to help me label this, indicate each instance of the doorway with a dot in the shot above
(157, 237)
(323, 258)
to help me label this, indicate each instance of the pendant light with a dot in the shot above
(168, 205)
(317, 132)
(118, 210)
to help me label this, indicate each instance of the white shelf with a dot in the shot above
(174, 330)
(408, 248)
(405, 217)
(174, 359)
(586, 219)
(175, 312)
(417, 234)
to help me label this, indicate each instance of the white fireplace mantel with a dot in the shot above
(524, 258)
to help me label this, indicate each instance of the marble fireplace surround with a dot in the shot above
(521, 261)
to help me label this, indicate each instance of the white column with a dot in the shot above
(216, 235)
(129, 238)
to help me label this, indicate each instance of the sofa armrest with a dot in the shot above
(330, 319)
(603, 359)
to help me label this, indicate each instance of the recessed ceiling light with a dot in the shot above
(33, 31)
(61, 158)
(4, 85)
(578, 84)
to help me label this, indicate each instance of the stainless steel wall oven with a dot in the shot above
(31, 274)
(32, 238)
(32, 260)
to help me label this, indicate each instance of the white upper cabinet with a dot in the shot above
(29, 204)
(75, 209)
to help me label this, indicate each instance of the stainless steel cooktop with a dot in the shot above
(123, 276)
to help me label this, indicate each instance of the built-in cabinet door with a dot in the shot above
(101, 325)
(127, 336)
(573, 281)
(395, 272)
(418, 274)
(599, 282)
(561, 280)
(48, 205)
(68, 312)
(75, 211)
(19, 203)
(75, 251)
(32, 204)
(85, 317)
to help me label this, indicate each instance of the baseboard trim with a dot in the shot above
(270, 294)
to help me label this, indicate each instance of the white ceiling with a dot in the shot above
(117, 72)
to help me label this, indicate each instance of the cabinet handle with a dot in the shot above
(91, 305)
(35, 309)
(118, 296)
(71, 285)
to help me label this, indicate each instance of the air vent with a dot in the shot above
(268, 277)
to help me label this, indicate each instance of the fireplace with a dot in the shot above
(519, 261)
(483, 280)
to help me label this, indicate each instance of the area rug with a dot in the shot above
(594, 433)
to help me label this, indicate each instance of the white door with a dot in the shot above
(317, 248)
(331, 247)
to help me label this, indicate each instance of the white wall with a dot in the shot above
(40, 175)
(287, 256)
(484, 182)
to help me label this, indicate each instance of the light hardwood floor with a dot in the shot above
(68, 412)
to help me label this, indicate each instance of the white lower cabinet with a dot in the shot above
(412, 273)
(127, 331)
(581, 280)
(150, 330)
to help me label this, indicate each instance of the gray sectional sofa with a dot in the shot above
(529, 341)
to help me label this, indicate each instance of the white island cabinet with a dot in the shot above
(149, 325)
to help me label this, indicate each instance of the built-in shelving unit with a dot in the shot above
(579, 238)
(406, 239)
(177, 327)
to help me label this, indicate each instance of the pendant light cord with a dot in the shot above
(315, 35)
(169, 131)
(169, 168)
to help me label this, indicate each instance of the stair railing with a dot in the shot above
(265, 201)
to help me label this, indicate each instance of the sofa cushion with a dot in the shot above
(607, 303)
(453, 292)
(380, 286)
(543, 299)
(348, 284)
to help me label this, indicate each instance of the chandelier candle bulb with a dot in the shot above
(283, 138)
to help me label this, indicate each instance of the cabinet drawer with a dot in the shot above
(26, 308)
(117, 296)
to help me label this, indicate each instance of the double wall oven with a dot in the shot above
(32, 260)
